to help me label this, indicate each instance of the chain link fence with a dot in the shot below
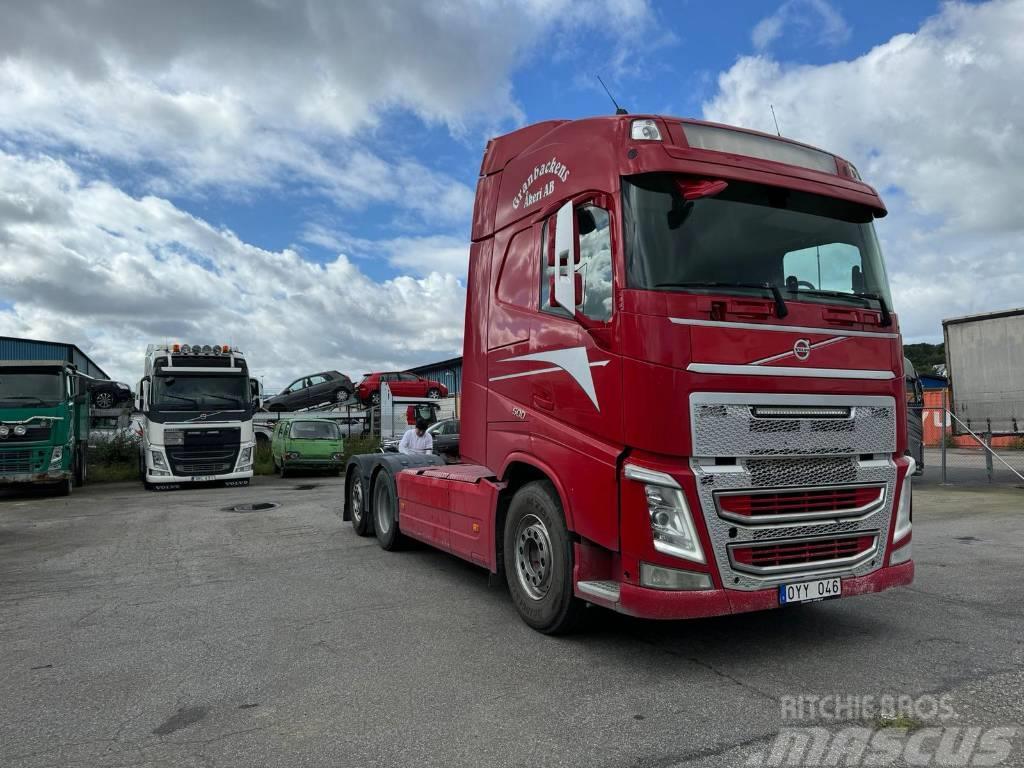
(958, 452)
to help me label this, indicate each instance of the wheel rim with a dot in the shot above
(382, 512)
(375, 398)
(355, 496)
(434, 394)
(341, 396)
(533, 557)
(104, 400)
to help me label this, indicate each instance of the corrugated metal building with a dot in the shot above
(33, 349)
(448, 372)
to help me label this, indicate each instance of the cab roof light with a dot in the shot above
(762, 147)
(644, 130)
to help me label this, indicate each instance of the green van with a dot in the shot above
(306, 444)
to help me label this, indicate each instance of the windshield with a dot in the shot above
(814, 248)
(314, 430)
(197, 392)
(28, 387)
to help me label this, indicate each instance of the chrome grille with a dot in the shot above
(778, 454)
(724, 424)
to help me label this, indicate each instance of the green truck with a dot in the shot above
(44, 424)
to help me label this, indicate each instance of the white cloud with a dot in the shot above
(84, 262)
(260, 94)
(930, 119)
(814, 20)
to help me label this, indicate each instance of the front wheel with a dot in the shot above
(357, 503)
(103, 400)
(375, 398)
(80, 467)
(539, 560)
(342, 395)
(434, 393)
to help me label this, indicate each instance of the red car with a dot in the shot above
(401, 384)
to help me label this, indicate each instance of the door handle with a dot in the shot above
(543, 401)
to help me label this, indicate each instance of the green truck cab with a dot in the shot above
(306, 444)
(44, 424)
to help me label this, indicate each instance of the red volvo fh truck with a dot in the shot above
(682, 385)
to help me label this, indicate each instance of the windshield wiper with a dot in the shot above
(781, 310)
(221, 397)
(180, 397)
(882, 306)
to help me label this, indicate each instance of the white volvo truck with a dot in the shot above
(197, 404)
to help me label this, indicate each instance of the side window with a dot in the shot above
(317, 379)
(408, 377)
(595, 266)
(595, 262)
(295, 386)
(827, 267)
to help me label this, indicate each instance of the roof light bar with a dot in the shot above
(754, 145)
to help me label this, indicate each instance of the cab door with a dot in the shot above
(563, 380)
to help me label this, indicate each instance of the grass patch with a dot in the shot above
(112, 473)
(899, 721)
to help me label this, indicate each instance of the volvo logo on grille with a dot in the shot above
(802, 349)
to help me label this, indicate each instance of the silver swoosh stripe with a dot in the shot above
(782, 328)
(778, 370)
(791, 353)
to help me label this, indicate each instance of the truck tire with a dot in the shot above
(539, 560)
(355, 498)
(63, 488)
(80, 467)
(385, 512)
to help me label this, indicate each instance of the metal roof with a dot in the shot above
(12, 348)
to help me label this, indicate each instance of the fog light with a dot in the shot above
(902, 554)
(4, 431)
(158, 472)
(293, 455)
(20, 430)
(657, 577)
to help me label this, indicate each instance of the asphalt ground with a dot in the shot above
(158, 629)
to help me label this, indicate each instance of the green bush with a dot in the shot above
(118, 448)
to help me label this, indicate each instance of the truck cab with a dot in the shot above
(197, 403)
(682, 377)
(44, 424)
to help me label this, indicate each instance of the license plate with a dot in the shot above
(809, 591)
(203, 478)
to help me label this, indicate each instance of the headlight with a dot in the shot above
(337, 456)
(293, 455)
(671, 522)
(20, 430)
(57, 455)
(904, 522)
(158, 459)
(245, 456)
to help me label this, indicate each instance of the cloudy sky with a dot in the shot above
(296, 177)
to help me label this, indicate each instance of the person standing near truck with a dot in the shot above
(417, 440)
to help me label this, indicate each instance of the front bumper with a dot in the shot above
(18, 478)
(183, 479)
(645, 603)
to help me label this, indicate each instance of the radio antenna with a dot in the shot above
(777, 131)
(618, 110)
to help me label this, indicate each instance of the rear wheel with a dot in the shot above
(539, 561)
(357, 503)
(342, 395)
(385, 508)
(375, 398)
(434, 393)
(103, 400)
